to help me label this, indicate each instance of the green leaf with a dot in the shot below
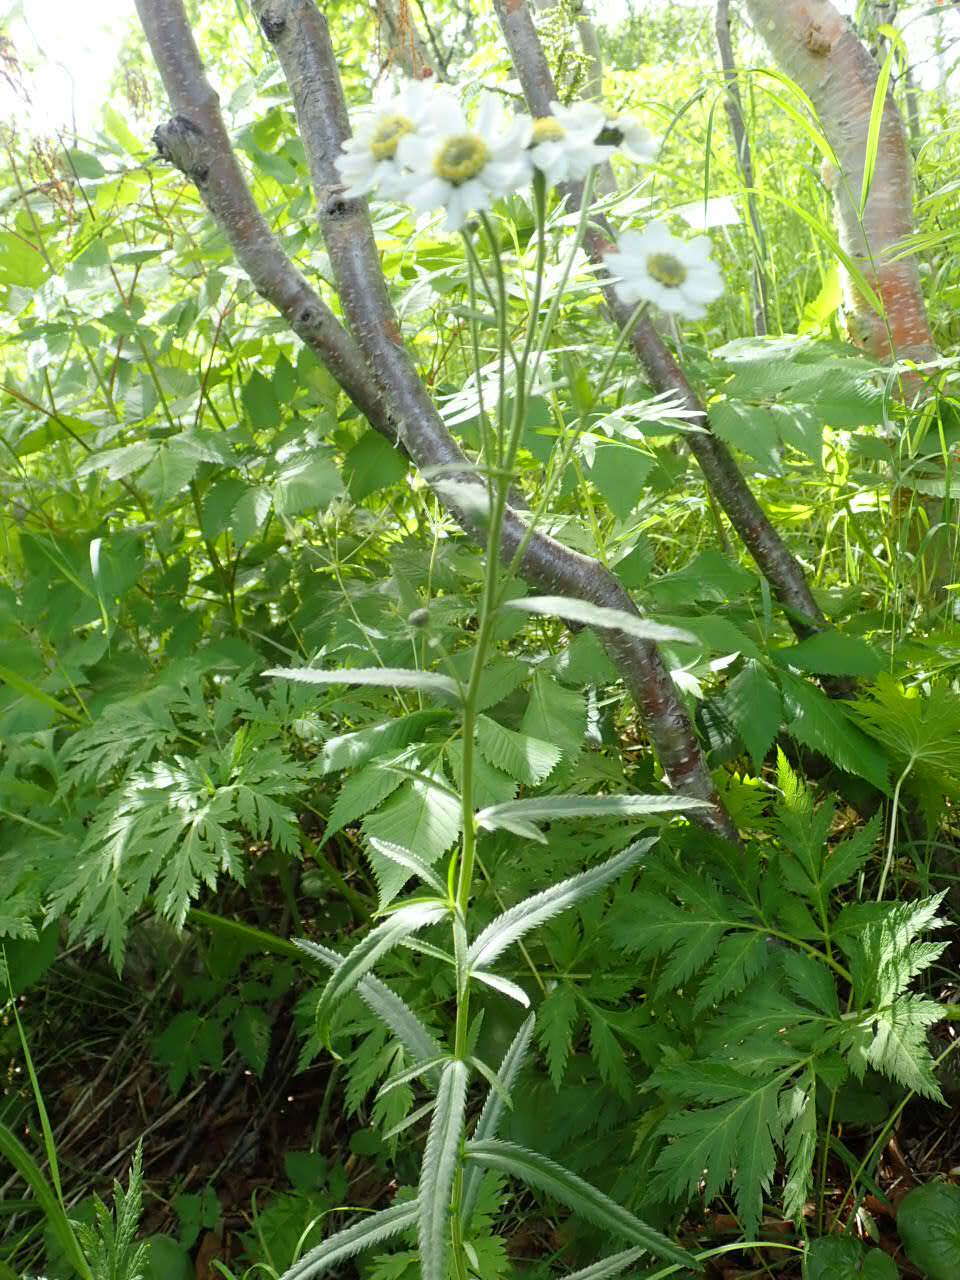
(592, 615)
(928, 1221)
(517, 815)
(383, 938)
(922, 728)
(439, 1168)
(832, 653)
(386, 677)
(528, 760)
(260, 403)
(509, 927)
(620, 471)
(361, 792)
(419, 817)
(365, 1234)
(556, 1017)
(251, 1034)
(372, 464)
(170, 471)
(385, 1003)
(714, 1144)
(752, 701)
(409, 861)
(577, 1194)
(306, 485)
(556, 715)
(16, 1154)
(615, 1265)
(820, 723)
(489, 1122)
(349, 750)
(843, 1258)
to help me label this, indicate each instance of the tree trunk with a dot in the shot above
(818, 48)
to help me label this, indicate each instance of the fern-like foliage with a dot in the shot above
(788, 989)
(110, 1244)
(174, 826)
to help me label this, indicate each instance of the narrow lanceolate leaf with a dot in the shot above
(387, 1005)
(409, 860)
(552, 808)
(577, 1194)
(592, 615)
(364, 1234)
(504, 985)
(440, 1160)
(514, 923)
(489, 1121)
(387, 677)
(615, 1265)
(388, 934)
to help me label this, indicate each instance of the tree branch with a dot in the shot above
(723, 476)
(741, 144)
(299, 33)
(197, 143)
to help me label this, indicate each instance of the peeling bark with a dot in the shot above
(722, 474)
(818, 48)
(391, 385)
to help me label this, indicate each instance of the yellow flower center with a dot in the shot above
(387, 134)
(547, 129)
(667, 268)
(461, 158)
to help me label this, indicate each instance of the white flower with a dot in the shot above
(654, 266)
(369, 160)
(564, 146)
(635, 138)
(465, 167)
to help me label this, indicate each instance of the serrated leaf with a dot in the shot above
(819, 722)
(739, 958)
(369, 1232)
(731, 1140)
(555, 1031)
(488, 1123)
(798, 1117)
(409, 861)
(832, 653)
(385, 1003)
(362, 791)
(606, 1268)
(509, 927)
(385, 677)
(576, 1193)
(556, 715)
(592, 615)
(555, 808)
(350, 750)
(388, 934)
(419, 817)
(440, 1162)
(528, 760)
(752, 702)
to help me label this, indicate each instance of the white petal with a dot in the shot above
(428, 195)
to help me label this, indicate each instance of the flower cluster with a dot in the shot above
(418, 146)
